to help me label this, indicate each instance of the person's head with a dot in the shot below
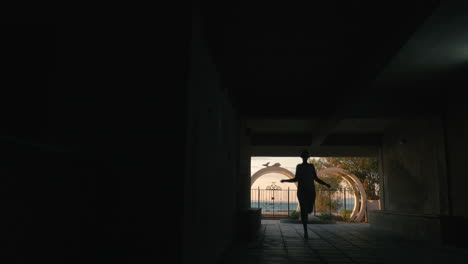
(305, 155)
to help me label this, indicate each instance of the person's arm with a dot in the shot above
(317, 179)
(322, 182)
(290, 180)
(293, 179)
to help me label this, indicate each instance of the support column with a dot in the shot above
(381, 180)
(249, 219)
(244, 167)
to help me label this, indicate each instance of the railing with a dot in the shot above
(281, 203)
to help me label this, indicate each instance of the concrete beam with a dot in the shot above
(326, 127)
(320, 151)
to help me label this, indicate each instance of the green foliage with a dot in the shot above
(345, 214)
(318, 163)
(325, 217)
(294, 215)
(365, 168)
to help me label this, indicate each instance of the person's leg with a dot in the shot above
(304, 219)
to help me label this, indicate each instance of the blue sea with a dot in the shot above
(283, 206)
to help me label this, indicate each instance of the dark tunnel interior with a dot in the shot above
(132, 142)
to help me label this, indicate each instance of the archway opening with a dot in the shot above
(346, 199)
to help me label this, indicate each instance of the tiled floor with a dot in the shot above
(338, 243)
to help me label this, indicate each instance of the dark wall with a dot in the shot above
(28, 62)
(414, 167)
(210, 190)
(456, 126)
(457, 145)
(86, 115)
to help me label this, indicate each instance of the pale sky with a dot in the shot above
(268, 179)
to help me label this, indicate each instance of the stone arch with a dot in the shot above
(271, 169)
(358, 213)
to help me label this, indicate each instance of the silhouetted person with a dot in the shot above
(305, 176)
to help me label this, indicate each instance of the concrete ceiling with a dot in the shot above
(319, 77)
(438, 48)
(297, 60)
